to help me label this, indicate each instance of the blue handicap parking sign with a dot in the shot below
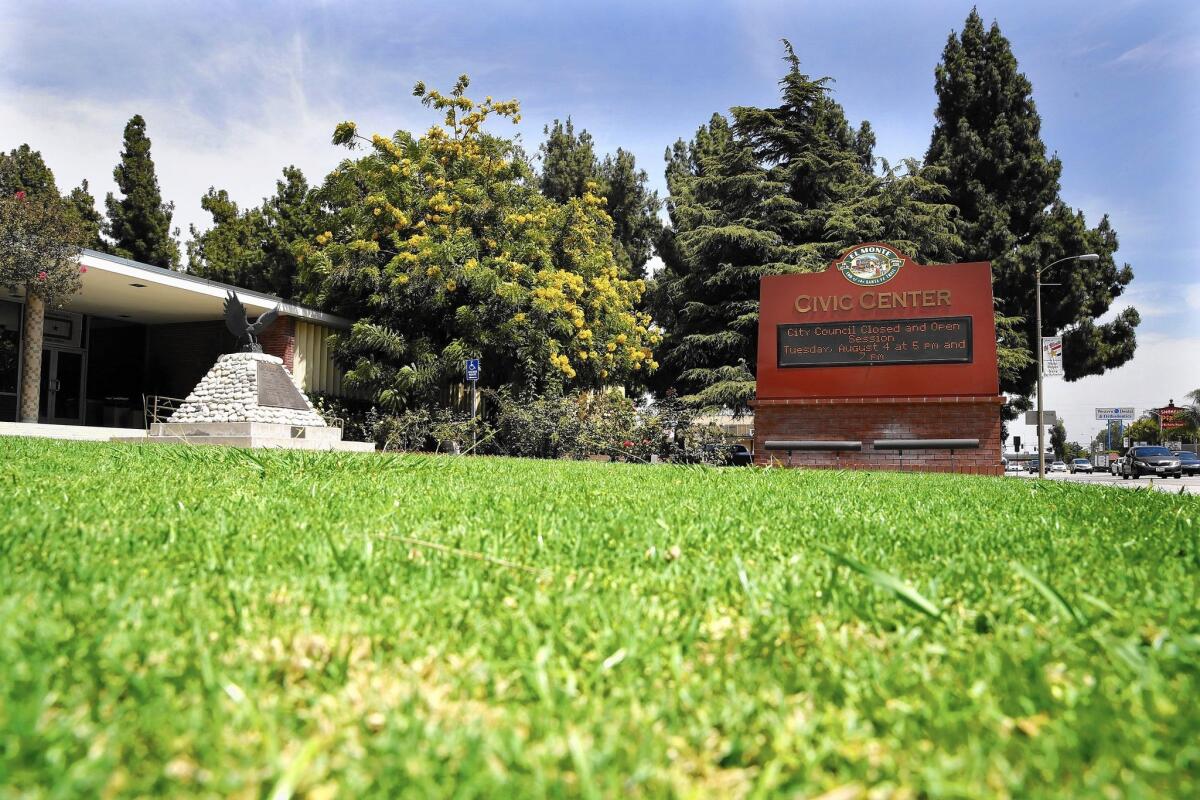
(472, 369)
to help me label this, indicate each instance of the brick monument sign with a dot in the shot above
(881, 351)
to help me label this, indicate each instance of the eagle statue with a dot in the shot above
(240, 326)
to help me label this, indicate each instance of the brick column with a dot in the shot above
(31, 356)
(280, 340)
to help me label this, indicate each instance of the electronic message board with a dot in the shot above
(937, 340)
(876, 324)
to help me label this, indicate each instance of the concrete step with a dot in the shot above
(272, 430)
(270, 442)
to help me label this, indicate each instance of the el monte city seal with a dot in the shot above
(870, 265)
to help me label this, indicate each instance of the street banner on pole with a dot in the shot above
(1123, 412)
(1052, 352)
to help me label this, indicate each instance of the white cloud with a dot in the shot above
(1162, 369)
(1154, 300)
(1192, 296)
(1165, 51)
(240, 114)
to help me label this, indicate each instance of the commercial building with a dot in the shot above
(136, 331)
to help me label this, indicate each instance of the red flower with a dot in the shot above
(42, 276)
(627, 443)
(82, 269)
(20, 195)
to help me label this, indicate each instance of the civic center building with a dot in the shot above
(136, 331)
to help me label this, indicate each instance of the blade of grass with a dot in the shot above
(905, 593)
(1049, 592)
(285, 787)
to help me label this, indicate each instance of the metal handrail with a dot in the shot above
(158, 408)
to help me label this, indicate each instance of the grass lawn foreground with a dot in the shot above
(212, 622)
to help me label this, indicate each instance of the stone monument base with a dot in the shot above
(867, 419)
(249, 434)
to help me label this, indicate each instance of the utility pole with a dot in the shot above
(1041, 430)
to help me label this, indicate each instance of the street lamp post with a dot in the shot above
(1040, 428)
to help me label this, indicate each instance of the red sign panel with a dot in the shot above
(1167, 414)
(876, 324)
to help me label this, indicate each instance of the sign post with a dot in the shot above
(1109, 415)
(472, 375)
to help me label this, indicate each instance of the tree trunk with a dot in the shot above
(31, 355)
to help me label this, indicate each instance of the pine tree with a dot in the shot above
(987, 138)
(706, 297)
(781, 190)
(568, 162)
(139, 223)
(254, 249)
(570, 169)
(633, 208)
(22, 169)
(83, 206)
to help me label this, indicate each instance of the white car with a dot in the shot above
(1057, 466)
(1081, 465)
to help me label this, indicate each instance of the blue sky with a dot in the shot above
(233, 92)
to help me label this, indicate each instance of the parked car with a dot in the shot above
(1057, 466)
(1189, 462)
(1014, 466)
(1150, 460)
(1080, 465)
(737, 455)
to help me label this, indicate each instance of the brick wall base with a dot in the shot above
(868, 419)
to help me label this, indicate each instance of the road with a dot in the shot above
(1188, 485)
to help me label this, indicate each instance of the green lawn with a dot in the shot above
(208, 622)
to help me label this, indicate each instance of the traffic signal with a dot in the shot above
(1016, 444)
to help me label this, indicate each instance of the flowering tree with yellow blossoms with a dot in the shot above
(444, 249)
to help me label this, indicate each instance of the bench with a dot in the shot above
(812, 445)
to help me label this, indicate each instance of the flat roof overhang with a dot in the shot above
(122, 289)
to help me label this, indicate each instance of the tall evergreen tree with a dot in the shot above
(139, 223)
(568, 162)
(633, 208)
(24, 170)
(83, 206)
(987, 137)
(570, 169)
(255, 249)
(781, 190)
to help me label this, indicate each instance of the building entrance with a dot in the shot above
(64, 374)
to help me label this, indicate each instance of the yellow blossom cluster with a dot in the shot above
(563, 363)
(537, 273)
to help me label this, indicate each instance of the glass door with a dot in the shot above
(63, 376)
